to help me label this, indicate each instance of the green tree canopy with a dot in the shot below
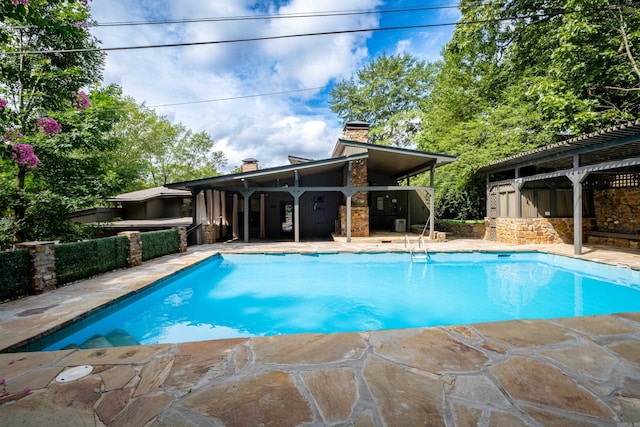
(518, 74)
(162, 152)
(387, 93)
(41, 98)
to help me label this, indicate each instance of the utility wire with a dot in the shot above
(287, 36)
(238, 97)
(281, 16)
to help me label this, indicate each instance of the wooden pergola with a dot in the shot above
(608, 157)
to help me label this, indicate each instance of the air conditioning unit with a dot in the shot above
(400, 225)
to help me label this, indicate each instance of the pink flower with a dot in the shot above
(85, 2)
(27, 390)
(24, 2)
(49, 126)
(11, 135)
(80, 24)
(80, 100)
(23, 155)
(11, 362)
(3, 104)
(5, 394)
(2, 381)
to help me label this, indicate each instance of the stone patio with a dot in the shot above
(574, 371)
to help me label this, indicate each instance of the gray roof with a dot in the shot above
(149, 194)
(614, 142)
(391, 161)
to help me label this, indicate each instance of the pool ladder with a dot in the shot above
(417, 256)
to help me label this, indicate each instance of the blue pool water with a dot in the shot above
(252, 295)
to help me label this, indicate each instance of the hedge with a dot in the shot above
(79, 260)
(158, 243)
(15, 274)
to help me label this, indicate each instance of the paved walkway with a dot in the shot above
(576, 371)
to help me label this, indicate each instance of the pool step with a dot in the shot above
(121, 338)
(116, 338)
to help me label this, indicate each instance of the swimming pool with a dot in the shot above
(252, 295)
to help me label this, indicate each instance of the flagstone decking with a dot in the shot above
(575, 371)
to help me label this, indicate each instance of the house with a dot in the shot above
(583, 189)
(361, 187)
(145, 210)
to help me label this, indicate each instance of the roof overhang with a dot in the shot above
(268, 175)
(599, 147)
(393, 161)
(149, 194)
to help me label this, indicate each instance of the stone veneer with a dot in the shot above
(43, 265)
(209, 231)
(618, 210)
(182, 235)
(134, 256)
(521, 231)
(359, 221)
(358, 134)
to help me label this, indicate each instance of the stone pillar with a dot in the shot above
(43, 265)
(134, 256)
(209, 233)
(182, 236)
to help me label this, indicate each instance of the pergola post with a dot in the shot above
(262, 216)
(576, 177)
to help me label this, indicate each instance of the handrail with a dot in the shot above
(193, 228)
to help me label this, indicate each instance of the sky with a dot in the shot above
(216, 85)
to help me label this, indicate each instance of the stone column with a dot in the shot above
(134, 256)
(209, 233)
(43, 265)
(182, 235)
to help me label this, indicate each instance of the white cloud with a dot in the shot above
(268, 127)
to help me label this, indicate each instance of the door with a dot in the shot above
(286, 219)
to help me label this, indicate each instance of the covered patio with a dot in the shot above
(585, 187)
(359, 188)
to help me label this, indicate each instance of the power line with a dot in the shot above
(253, 39)
(287, 36)
(238, 97)
(281, 16)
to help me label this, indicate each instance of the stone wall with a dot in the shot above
(359, 221)
(470, 230)
(522, 231)
(617, 210)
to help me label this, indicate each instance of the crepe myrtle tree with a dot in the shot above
(38, 81)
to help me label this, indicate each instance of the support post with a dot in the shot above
(576, 178)
(234, 219)
(262, 216)
(246, 217)
(348, 218)
(296, 217)
(432, 217)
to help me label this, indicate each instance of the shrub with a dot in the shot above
(79, 260)
(158, 243)
(15, 274)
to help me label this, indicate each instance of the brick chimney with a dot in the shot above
(249, 165)
(356, 131)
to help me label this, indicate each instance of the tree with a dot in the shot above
(388, 94)
(39, 90)
(164, 152)
(518, 74)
